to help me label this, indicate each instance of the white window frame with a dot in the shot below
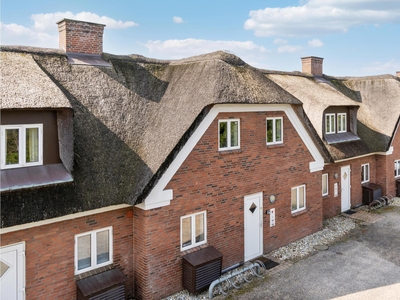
(365, 173)
(274, 141)
(397, 168)
(93, 247)
(21, 145)
(193, 230)
(342, 124)
(332, 128)
(297, 188)
(229, 146)
(326, 180)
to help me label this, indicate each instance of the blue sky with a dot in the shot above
(355, 37)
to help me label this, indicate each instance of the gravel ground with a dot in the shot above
(333, 230)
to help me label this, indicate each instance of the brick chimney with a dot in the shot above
(398, 74)
(81, 37)
(312, 65)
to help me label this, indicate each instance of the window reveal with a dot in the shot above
(274, 131)
(21, 145)
(229, 134)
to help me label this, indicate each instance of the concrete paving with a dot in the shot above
(364, 266)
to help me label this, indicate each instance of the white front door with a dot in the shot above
(253, 226)
(12, 272)
(345, 191)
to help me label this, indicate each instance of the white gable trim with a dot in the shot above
(159, 197)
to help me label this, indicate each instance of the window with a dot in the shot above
(229, 134)
(397, 168)
(364, 173)
(335, 120)
(93, 249)
(324, 184)
(274, 131)
(298, 198)
(341, 122)
(21, 145)
(193, 230)
(330, 123)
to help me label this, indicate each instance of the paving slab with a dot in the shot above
(365, 265)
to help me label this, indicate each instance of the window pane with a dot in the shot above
(234, 134)
(324, 184)
(32, 145)
(103, 246)
(270, 131)
(398, 168)
(186, 232)
(340, 123)
(12, 146)
(301, 197)
(199, 228)
(84, 250)
(294, 199)
(278, 129)
(223, 134)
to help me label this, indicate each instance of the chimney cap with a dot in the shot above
(306, 57)
(79, 21)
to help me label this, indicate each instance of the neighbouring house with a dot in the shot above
(115, 167)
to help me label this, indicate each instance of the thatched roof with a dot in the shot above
(379, 109)
(373, 95)
(131, 117)
(25, 85)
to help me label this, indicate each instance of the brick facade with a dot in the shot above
(217, 182)
(49, 252)
(80, 37)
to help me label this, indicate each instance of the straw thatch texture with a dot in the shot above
(379, 110)
(316, 96)
(129, 118)
(24, 85)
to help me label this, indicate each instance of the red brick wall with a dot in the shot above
(386, 167)
(332, 205)
(81, 37)
(50, 252)
(218, 182)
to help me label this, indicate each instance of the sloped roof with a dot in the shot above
(379, 109)
(25, 85)
(373, 95)
(131, 117)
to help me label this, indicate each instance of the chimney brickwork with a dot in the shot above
(312, 65)
(80, 36)
(398, 74)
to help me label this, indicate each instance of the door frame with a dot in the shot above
(345, 190)
(258, 237)
(20, 248)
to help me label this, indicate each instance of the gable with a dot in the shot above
(159, 197)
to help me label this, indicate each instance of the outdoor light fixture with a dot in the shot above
(336, 175)
(272, 198)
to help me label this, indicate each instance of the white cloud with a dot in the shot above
(322, 17)
(190, 47)
(280, 41)
(175, 49)
(389, 67)
(44, 31)
(289, 49)
(177, 20)
(315, 43)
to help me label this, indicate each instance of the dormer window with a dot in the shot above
(341, 122)
(330, 123)
(335, 123)
(21, 145)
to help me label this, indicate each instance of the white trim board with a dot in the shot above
(158, 197)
